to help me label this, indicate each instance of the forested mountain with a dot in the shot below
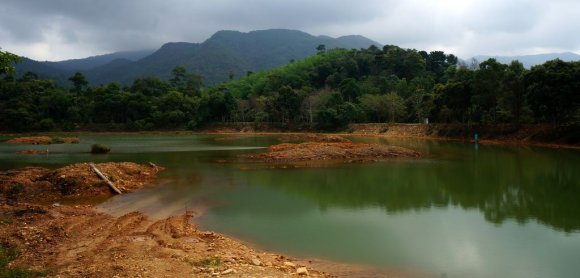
(61, 70)
(100, 60)
(532, 60)
(325, 91)
(227, 54)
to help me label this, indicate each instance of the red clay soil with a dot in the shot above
(313, 137)
(32, 152)
(74, 181)
(43, 140)
(77, 241)
(319, 151)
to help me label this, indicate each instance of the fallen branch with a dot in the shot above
(111, 185)
(154, 166)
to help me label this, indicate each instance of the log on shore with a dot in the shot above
(111, 185)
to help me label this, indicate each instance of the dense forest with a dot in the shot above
(325, 91)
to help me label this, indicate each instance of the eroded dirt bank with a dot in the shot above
(530, 134)
(73, 240)
(43, 140)
(336, 151)
(566, 135)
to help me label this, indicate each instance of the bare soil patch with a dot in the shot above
(319, 151)
(77, 241)
(33, 152)
(43, 140)
(313, 137)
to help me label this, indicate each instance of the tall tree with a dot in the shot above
(554, 91)
(512, 98)
(487, 85)
(79, 82)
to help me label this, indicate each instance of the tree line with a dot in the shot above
(326, 91)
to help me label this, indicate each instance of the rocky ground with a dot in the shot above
(76, 241)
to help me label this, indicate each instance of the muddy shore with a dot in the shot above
(59, 235)
(544, 135)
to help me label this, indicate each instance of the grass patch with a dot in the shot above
(8, 254)
(215, 261)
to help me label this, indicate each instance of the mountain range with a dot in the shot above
(223, 53)
(532, 60)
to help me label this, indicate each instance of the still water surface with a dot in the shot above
(460, 211)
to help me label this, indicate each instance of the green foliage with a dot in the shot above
(99, 149)
(46, 124)
(7, 61)
(79, 82)
(13, 192)
(215, 261)
(553, 91)
(8, 254)
(327, 91)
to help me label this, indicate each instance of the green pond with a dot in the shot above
(462, 210)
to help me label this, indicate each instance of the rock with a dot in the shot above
(228, 271)
(302, 271)
(256, 262)
(290, 264)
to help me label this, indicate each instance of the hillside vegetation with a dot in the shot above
(326, 91)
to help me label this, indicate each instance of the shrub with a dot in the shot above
(46, 124)
(99, 149)
(67, 186)
(215, 261)
(8, 254)
(192, 125)
(13, 192)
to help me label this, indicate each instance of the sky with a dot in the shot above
(65, 29)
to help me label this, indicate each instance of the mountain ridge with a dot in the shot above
(532, 60)
(224, 52)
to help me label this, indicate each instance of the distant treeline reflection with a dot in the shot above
(504, 184)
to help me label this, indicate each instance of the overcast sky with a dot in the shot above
(64, 29)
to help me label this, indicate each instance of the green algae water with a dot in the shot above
(462, 210)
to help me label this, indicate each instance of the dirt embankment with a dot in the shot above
(76, 241)
(313, 137)
(41, 185)
(333, 151)
(44, 140)
(534, 134)
(546, 134)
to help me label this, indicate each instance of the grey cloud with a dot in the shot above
(72, 28)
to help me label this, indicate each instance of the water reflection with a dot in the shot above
(502, 182)
(463, 210)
